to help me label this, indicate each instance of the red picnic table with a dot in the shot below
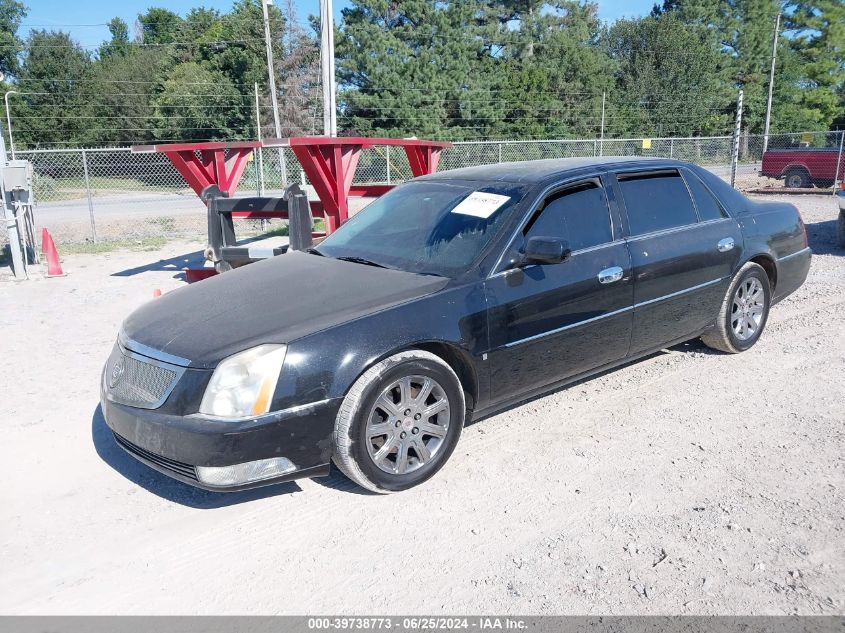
(330, 164)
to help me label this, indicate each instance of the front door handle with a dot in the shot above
(609, 275)
(725, 245)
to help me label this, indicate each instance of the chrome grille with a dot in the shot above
(137, 381)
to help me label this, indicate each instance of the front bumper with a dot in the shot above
(175, 445)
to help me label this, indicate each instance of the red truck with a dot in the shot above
(803, 167)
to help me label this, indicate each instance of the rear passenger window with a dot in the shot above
(578, 215)
(708, 207)
(656, 201)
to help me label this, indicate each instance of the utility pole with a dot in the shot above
(271, 77)
(771, 84)
(9, 120)
(327, 68)
(258, 138)
(601, 137)
(737, 132)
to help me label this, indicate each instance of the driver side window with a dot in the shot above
(578, 214)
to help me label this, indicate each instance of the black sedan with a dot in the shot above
(452, 296)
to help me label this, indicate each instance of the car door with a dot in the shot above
(549, 322)
(683, 248)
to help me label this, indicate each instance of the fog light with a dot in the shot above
(245, 473)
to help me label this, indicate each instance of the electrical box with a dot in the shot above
(17, 175)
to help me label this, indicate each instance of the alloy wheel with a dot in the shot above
(749, 305)
(407, 425)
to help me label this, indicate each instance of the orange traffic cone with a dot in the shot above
(48, 247)
(156, 293)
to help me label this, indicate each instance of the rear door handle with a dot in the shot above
(609, 275)
(725, 245)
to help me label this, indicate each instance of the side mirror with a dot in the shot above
(545, 250)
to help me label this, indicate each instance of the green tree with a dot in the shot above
(667, 78)
(119, 43)
(189, 109)
(159, 26)
(816, 47)
(12, 12)
(120, 96)
(52, 83)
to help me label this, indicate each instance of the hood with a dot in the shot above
(274, 301)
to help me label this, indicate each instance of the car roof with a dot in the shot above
(536, 171)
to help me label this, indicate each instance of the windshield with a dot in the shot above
(432, 227)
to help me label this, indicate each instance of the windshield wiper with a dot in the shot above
(313, 251)
(361, 260)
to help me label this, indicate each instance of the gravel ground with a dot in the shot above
(690, 482)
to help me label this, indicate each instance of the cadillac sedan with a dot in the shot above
(452, 296)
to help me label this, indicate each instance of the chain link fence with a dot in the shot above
(90, 195)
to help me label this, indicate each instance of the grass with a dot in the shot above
(92, 248)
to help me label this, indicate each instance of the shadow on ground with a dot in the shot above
(196, 259)
(821, 237)
(183, 494)
(176, 265)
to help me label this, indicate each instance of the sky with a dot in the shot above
(86, 20)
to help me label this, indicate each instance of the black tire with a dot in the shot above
(796, 178)
(351, 452)
(840, 230)
(723, 337)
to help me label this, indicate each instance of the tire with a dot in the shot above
(396, 460)
(840, 230)
(724, 336)
(796, 178)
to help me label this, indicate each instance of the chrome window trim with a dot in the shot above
(675, 229)
(597, 175)
(151, 353)
(613, 313)
(176, 369)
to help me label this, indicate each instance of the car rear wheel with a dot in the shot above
(796, 179)
(743, 313)
(399, 422)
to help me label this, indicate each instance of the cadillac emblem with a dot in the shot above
(117, 371)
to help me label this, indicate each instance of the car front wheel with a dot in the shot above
(399, 422)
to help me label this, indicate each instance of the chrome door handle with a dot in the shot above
(609, 275)
(725, 245)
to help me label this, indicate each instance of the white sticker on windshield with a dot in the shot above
(480, 204)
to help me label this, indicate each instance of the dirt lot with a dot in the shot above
(690, 482)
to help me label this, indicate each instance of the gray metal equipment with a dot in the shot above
(18, 203)
(223, 249)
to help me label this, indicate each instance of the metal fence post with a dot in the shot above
(387, 161)
(836, 179)
(90, 197)
(500, 152)
(735, 153)
(260, 172)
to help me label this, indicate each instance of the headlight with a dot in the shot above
(243, 384)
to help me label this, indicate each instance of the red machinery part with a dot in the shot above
(330, 164)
